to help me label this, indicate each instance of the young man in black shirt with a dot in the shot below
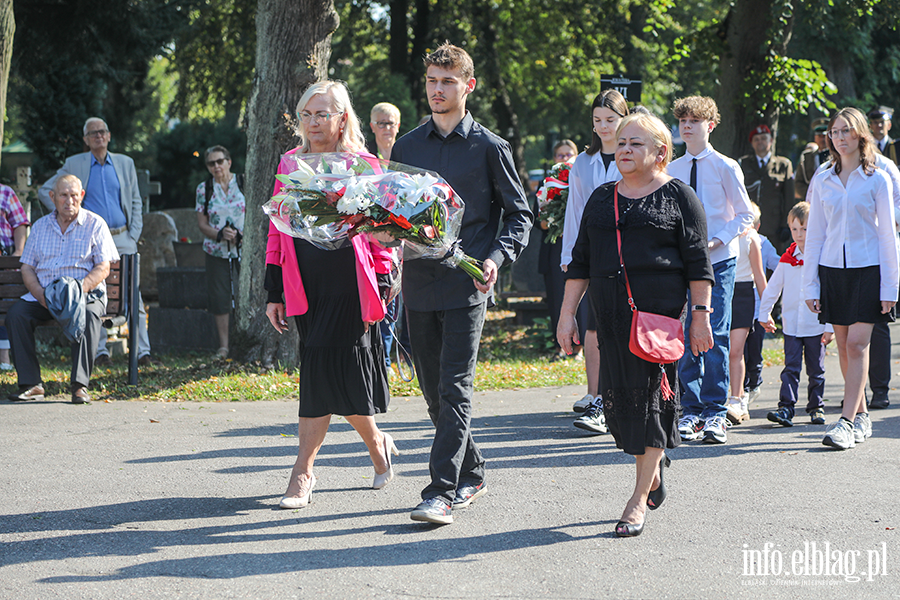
(446, 307)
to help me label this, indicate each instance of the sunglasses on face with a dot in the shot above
(216, 163)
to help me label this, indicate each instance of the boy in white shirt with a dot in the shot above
(719, 183)
(803, 334)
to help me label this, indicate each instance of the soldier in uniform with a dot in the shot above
(815, 153)
(770, 183)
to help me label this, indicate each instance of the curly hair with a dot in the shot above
(701, 107)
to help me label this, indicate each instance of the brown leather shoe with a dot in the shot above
(148, 360)
(103, 361)
(80, 396)
(33, 393)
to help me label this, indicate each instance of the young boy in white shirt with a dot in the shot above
(719, 183)
(803, 334)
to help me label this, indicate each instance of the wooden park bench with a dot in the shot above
(121, 293)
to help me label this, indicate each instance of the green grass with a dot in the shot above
(511, 357)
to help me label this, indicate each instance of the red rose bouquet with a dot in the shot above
(331, 197)
(552, 198)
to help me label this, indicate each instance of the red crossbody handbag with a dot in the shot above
(654, 338)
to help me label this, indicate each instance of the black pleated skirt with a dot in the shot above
(851, 296)
(342, 366)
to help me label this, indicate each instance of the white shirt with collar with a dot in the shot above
(851, 227)
(882, 162)
(796, 317)
(587, 174)
(764, 160)
(882, 143)
(720, 187)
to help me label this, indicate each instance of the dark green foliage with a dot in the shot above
(179, 159)
(73, 59)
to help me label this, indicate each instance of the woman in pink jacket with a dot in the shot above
(335, 298)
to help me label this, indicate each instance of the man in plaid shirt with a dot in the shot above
(69, 242)
(13, 231)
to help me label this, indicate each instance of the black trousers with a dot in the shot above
(21, 321)
(445, 350)
(880, 358)
(753, 357)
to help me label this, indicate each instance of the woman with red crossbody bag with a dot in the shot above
(642, 244)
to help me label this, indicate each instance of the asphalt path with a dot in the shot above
(180, 500)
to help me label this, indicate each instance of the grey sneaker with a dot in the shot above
(690, 428)
(581, 405)
(593, 419)
(862, 428)
(840, 435)
(714, 430)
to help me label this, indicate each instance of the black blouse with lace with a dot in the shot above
(664, 247)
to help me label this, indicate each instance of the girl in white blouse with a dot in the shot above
(850, 273)
(592, 168)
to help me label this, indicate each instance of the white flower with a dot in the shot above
(357, 196)
(416, 186)
(341, 168)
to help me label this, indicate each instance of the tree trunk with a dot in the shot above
(292, 52)
(7, 31)
(504, 112)
(746, 35)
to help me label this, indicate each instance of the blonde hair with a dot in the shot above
(655, 128)
(860, 125)
(701, 107)
(799, 211)
(352, 139)
(757, 214)
(385, 108)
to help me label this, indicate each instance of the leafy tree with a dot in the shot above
(74, 59)
(293, 49)
(214, 59)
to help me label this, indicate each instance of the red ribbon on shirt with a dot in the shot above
(789, 258)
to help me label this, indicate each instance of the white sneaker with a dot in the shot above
(593, 419)
(752, 395)
(690, 428)
(582, 404)
(862, 428)
(840, 435)
(735, 410)
(714, 430)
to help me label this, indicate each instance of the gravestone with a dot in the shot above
(186, 224)
(156, 250)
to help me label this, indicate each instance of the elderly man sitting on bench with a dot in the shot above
(69, 242)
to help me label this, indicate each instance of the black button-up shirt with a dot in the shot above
(478, 165)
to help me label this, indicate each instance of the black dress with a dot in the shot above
(664, 248)
(342, 366)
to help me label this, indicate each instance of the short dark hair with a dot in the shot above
(212, 149)
(450, 57)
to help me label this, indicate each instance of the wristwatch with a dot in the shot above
(701, 308)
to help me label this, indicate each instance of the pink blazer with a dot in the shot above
(371, 259)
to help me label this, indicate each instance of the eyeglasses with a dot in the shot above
(840, 133)
(97, 133)
(308, 117)
(385, 124)
(216, 163)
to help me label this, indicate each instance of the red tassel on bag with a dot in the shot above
(667, 392)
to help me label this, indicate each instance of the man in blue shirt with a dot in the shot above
(446, 307)
(111, 191)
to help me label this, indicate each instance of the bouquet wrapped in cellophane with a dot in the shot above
(328, 198)
(552, 199)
